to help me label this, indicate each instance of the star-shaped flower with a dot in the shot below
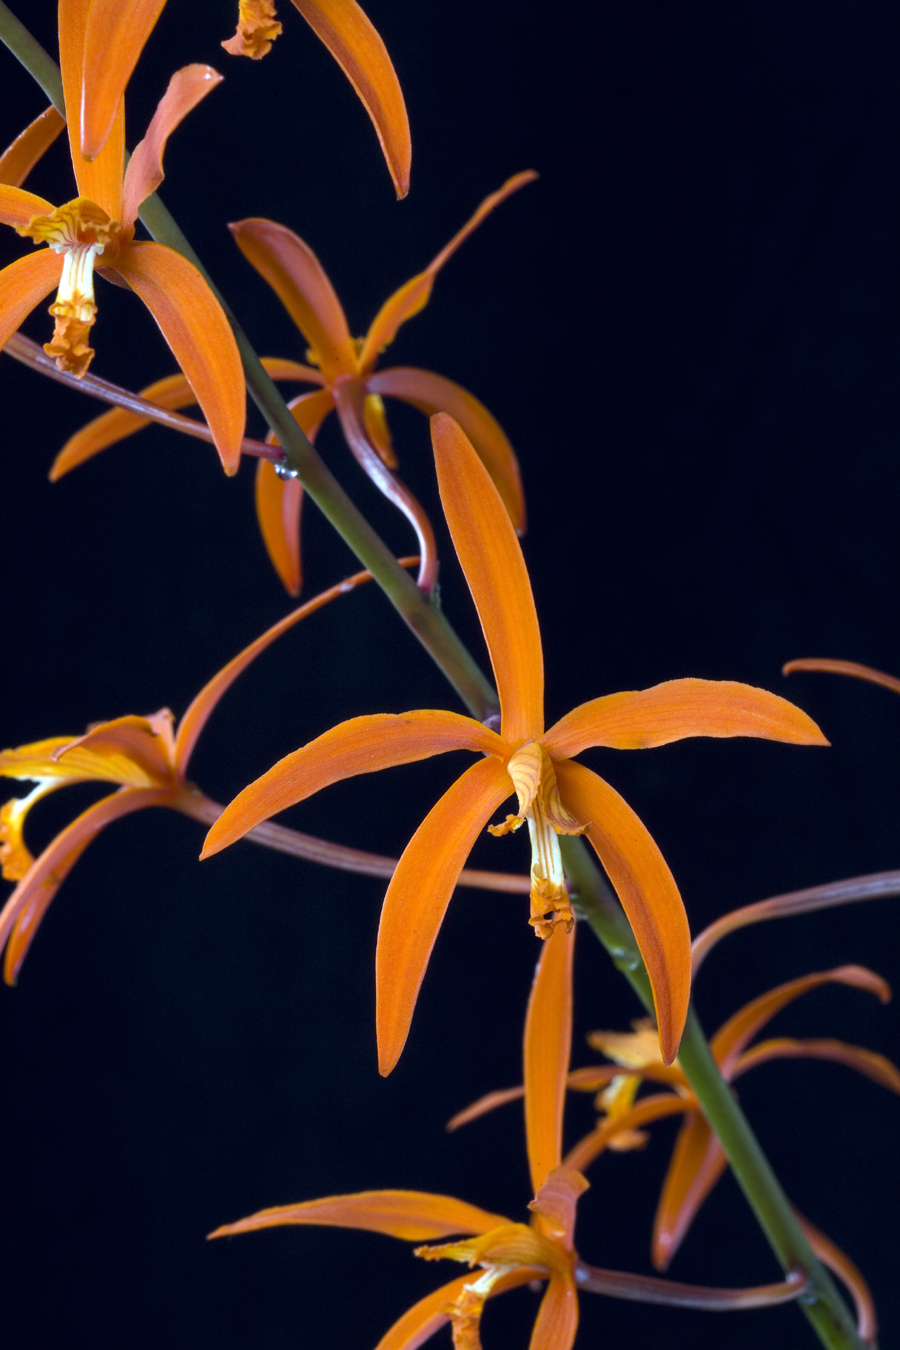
(555, 794)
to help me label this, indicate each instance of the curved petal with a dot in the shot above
(100, 179)
(114, 39)
(361, 745)
(194, 325)
(830, 1254)
(419, 893)
(19, 159)
(646, 888)
(843, 668)
(431, 394)
(494, 568)
(301, 284)
(867, 1062)
(280, 500)
(18, 207)
(185, 90)
(489, 1102)
(671, 711)
(547, 1047)
(23, 285)
(414, 294)
(557, 1319)
(413, 1215)
(697, 1163)
(734, 1035)
(28, 903)
(132, 751)
(425, 1318)
(362, 56)
(650, 1109)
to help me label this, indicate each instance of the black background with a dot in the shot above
(688, 329)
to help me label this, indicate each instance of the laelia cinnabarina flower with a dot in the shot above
(555, 794)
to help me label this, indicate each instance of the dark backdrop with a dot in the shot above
(688, 328)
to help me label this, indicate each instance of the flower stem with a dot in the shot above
(821, 1302)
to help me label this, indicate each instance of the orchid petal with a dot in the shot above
(413, 1215)
(414, 295)
(38, 760)
(301, 284)
(431, 394)
(194, 326)
(843, 668)
(419, 893)
(23, 285)
(99, 179)
(425, 1318)
(647, 1110)
(361, 745)
(378, 431)
(732, 1037)
(114, 38)
(359, 51)
(671, 711)
(646, 888)
(555, 1203)
(547, 1047)
(279, 500)
(557, 1319)
(132, 751)
(697, 1163)
(20, 158)
(867, 1062)
(494, 568)
(37, 888)
(145, 169)
(18, 207)
(830, 1254)
(487, 1103)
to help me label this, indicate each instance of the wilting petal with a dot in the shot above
(279, 500)
(414, 1215)
(697, 1163)
(647, 1110)
(432, 394)
(362, 56)
(679, 708)
(419, 893)
(23, 285)
(547, 1046)
(20, 158)
(194, 326)
(301, 284)
(867, 1062)
(830, 1254)
(414, 295)
(114, 39)
(18, 207)
(843, 668)
(734, 1035)
(99, 179)
(361, 745)
(145, 169)
(494, 568)
(646, 888)
(26, 906)
(557, 1319)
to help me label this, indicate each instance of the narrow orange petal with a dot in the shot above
(671, 711)
(20, 158)
(114, 39)
(413, 1215)
(414, 294)
(425, 1318)
(193, 324)
(18, 207)
(99, 179)
(557, 1319)
(489, 1102)
(646, 1111)
(279, 500)
(23, 285)
(867, 1062)
(301, 284)
(733, 1036)
(547, 1047)
(697, 1163)
(843, 668)
(494, 568)
(830, 1254)
(431, 394)
(419, 893)
(646, 888)
(361, 745)
(362, 56)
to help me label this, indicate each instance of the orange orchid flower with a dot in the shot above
(555, 794)
(99, 225)
(146, 757)
(344, 370)
(506, 1253)
(115, 32)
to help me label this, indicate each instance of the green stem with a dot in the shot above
(821, 1302)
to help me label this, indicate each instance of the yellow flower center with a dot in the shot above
(80, 231)
(534, 778)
